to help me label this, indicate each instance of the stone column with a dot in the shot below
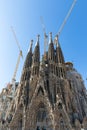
(24, 118)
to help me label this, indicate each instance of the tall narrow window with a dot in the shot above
(41, 117)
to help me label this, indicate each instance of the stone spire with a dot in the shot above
(28, 61)
(59, 54)
(60, 70)
(36, 54)
(36, 58)
(51, 55)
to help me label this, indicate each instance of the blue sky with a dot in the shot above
(24, 16)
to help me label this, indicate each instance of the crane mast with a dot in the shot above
(18, 61)
(45, 36)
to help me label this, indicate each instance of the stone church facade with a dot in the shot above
(51, 94)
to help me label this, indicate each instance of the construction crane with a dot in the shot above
(65, 20)
(18, 60)
(45, 36)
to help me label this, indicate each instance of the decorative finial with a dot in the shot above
(31, 43)
(38, 38)
(56, 40)
(50, 39)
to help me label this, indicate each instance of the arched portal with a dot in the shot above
(43, 119)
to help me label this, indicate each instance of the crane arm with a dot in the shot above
(20, 54)
(15, 38)
(17, 64)
(66, 18)
(16, 68)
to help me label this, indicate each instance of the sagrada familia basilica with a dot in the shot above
(50, 95)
